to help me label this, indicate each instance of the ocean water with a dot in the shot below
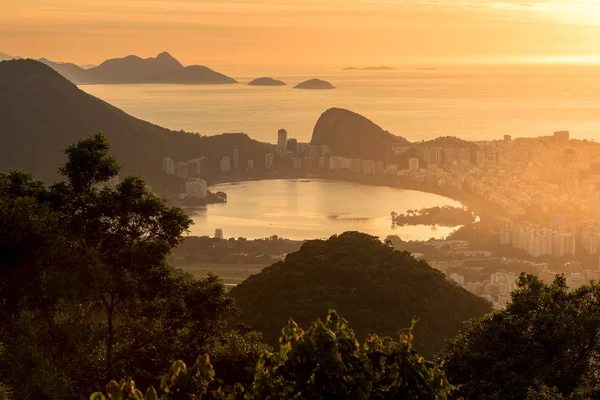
(472, 103)
(311, 209)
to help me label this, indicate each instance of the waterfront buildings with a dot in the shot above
(282, 138)
(168, 166)
(269, 160)
(196, 188)
(236, 158)
(225, 164)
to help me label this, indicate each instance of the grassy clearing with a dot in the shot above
(231, 274)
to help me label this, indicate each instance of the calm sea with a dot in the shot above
(475, 103)
(312, 209)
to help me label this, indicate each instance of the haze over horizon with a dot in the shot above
(311, 33)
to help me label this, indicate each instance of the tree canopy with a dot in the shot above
(85, 289)
(545, 341)
(379, 290)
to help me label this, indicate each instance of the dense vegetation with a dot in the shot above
(87, 297)
(85, 290)
(41, 113)
(324, 362)
(546, 339)
(442, 216)
(378, 289)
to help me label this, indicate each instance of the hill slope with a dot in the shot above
(349, 134)
(194, 74)
(133, 69)
(41, 112)
(314, 84)
(266, 81)
(163, 68)
(4, 57)
(379, 290)
(72, 72)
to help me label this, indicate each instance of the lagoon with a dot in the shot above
(311, 209)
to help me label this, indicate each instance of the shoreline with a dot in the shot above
(479, 206)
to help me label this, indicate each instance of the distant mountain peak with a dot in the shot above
(165, 54)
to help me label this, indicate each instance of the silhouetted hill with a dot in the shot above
(133, 69)
(378, 69)
(41, 113)
(266, 82)
(369, 69)
(447, 141)
(72, 72)
(350, 134)
(4, 57)
(164, 68)
(378, 289)
(194, 74)
(314, 84)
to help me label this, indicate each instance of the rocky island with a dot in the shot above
(314, 84)
(380, 68)
(266, 81)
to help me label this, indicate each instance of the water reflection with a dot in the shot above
(308, 209)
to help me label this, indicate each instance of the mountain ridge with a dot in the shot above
(164, 68)
(42, 112)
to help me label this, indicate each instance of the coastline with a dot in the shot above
(481, 208)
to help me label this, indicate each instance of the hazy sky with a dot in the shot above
(307, 32)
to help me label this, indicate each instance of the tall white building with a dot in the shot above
(225, 164)
(236, 159)
(282, 137)
(270, 160)
(182, 169)
(197, 166)
(559, 223)
(168, 165)
(413, 164)
(506, 232)
(336, 163)
(196, 188)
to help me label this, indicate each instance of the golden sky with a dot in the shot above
(303, 32)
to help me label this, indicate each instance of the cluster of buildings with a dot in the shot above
(539, 240)
(291, 154)
(498, 287)
(195, 187)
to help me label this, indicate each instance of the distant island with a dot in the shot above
(380, 68)
(314, 84)
(266, 81)
(163, 68)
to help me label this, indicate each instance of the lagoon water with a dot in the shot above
(471, 103)
(311, 209)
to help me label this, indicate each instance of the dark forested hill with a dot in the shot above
(379, 290)
(41, 113)
(349, 134)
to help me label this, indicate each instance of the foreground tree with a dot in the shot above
(85, 289)
(546, 341)
(324, 362)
